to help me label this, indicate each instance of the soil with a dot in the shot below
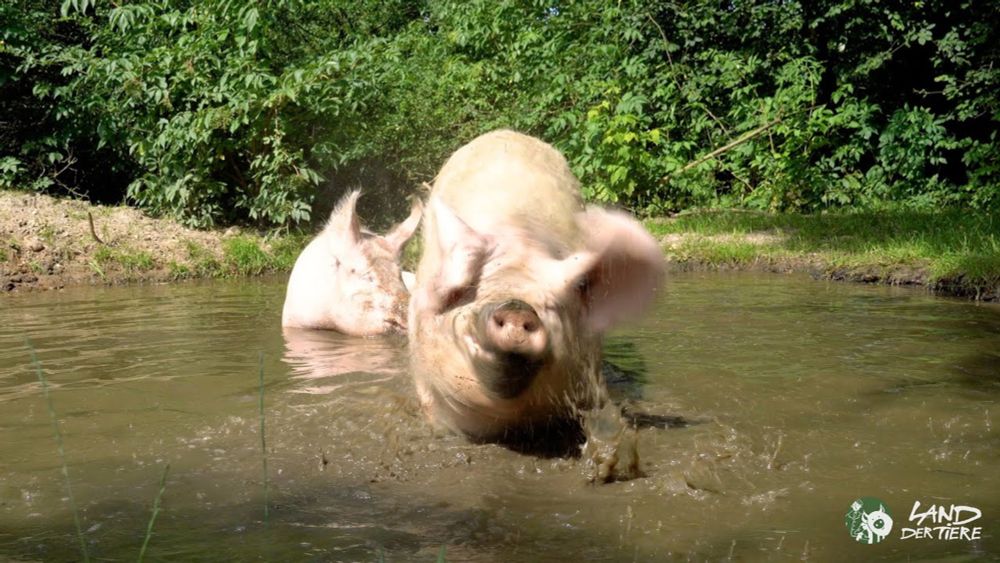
(48, 243)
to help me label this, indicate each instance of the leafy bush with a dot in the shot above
(230, 110)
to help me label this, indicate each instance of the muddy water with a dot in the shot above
(802, 396)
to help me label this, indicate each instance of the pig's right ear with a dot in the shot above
(402, 232)
(343, 226)
(463, 252)
(619, 274)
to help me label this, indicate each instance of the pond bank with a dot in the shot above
(950, 252)
(51, 243)
(48, 243)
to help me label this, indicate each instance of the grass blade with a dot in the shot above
(263, 442)
(156, 510)
(62, 450)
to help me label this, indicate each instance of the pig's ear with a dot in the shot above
(462, 251)
(343, 223)
(402, 232)
(620, 273)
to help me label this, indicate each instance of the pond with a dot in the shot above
(801, 396)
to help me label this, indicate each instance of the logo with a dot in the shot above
(945, 523)
(868, 520)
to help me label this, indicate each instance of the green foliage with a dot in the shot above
(230, 110)
(244, 257)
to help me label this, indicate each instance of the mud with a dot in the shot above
(47, 243)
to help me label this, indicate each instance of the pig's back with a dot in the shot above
(505, 179)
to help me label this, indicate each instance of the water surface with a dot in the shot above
(803, 396)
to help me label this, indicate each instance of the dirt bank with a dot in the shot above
(47, 243)
(774, 251)
(50, 243)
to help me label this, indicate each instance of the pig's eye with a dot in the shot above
(582, 286)
(458, 296)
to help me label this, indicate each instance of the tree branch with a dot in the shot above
(730, 145)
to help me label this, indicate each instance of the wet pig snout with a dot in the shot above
(513, 327)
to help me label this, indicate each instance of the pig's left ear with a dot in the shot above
(402, 232)
(344, 224)
(620, 273)
(463, 251)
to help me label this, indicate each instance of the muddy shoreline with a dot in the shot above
(900, 275)
(47, 243)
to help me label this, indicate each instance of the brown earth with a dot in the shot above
(48, 243)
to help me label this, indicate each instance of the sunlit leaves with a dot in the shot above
(227, 110)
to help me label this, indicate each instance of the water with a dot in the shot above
(802, 396)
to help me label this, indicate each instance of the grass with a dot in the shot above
(179, 271)
(263, 443)
(61, 447)
(951, 249)
(202, 262)
(155, 512)
(242, 255)
(286, 249)
(47, 234)
(130, 261)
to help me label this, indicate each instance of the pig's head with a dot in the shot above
(511, 320)
(349, 279)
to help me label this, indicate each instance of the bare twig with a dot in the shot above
(716, 119)
(731, 145)
(725, 148)
(666, 49)
(93, 231)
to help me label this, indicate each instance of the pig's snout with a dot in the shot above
(518, 344)
(513, 327)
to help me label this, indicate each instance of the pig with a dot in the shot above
(517, 282)
(348, 279)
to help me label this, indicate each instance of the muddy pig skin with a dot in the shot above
(517, 282)
(348, 279)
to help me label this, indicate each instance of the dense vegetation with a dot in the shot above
(230, 110)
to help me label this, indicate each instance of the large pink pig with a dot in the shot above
(348, 279)
(516, 285)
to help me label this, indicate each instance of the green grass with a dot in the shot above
(130, 261)
(242, 255)
(47, 234)
(202, 262)
(179, 271)
(286, 249)
(60, 445)
(154, 513)
(955, 248)
(263, 441)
